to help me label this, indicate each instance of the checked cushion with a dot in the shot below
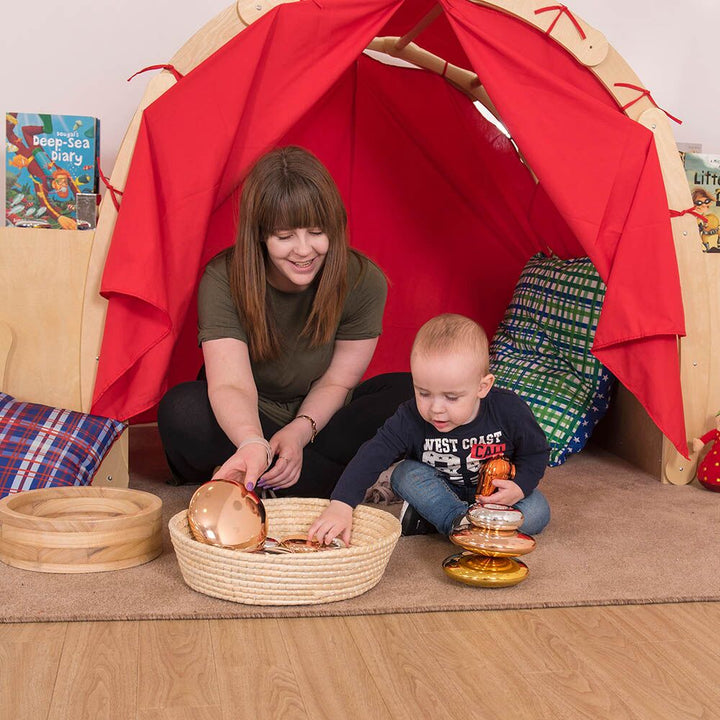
(42, 446)
(542, 350)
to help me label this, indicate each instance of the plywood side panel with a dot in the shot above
(42, 275)
(114, 472)
(628, 432)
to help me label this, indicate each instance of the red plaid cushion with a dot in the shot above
(43, 446)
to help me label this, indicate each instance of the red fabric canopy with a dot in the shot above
(435, 194)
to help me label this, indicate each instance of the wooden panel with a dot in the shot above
(628, 432)
(700, 284)
(114, 470)
(584, 42)
(42, 274)
(6, 343)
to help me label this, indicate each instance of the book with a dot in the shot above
(703, 176)
(50, 161)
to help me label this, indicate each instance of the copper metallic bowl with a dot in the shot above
(226, 514)
(299, 544)
(493, 543)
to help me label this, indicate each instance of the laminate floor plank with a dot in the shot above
(594, 663)
(541, 652)
(453, 674)
(29, 659)
(255, 674)
(182, 713)
(332, 675)
(629, 651)
(176, 665)
(97, 676)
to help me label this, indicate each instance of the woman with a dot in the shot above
(288, 322)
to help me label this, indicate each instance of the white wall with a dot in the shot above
(75, 57)
(673, 48)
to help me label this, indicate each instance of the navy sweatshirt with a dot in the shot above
(504, 425)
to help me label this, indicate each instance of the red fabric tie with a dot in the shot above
(114, 192)
(178, 75)
(688, 211)
(562, 10)
(644, 93)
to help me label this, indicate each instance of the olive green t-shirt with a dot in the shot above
(282, 384)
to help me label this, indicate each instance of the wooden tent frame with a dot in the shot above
(52, 356)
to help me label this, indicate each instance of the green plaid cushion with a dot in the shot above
(542, 350)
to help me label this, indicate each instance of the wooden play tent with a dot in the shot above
(590, 183)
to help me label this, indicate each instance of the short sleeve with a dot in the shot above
(217, 315)
(365, 303)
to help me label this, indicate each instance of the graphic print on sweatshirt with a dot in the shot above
(461, 458)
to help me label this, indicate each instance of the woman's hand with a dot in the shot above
(507, 493)
(245, 466)
(287, 443)
(335, 521)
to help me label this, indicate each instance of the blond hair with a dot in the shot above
(450, 333)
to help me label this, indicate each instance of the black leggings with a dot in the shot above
(195, 444)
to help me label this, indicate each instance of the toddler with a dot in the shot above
(455, 422)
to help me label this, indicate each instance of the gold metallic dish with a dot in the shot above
(479, 571)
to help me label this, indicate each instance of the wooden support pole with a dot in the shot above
(465, 80)
(428, 20)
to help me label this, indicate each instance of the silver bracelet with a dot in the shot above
(260, 441)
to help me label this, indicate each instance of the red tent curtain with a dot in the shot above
(602, 173)
(435, 194)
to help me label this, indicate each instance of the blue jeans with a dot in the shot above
(440, 503)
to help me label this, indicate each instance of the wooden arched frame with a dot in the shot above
(700, 281)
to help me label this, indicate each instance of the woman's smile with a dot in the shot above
(295, 257)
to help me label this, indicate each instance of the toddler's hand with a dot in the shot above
(335, 521)
(508, 493)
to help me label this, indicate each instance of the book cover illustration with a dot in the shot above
(50, 160)
(703, 176)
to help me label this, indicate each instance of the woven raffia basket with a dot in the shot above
(291, 579)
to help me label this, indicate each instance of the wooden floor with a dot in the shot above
(649, 662)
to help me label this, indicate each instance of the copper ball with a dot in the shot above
(226, 514)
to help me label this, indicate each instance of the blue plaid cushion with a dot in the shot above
(43, 446)
(542, 350)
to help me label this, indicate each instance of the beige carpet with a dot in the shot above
(617, 536)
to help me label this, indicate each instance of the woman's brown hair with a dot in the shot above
(288, 188)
